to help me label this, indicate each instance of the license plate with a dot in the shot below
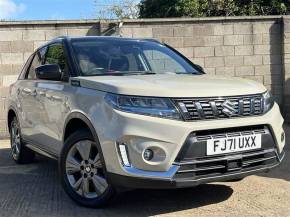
(233, 144)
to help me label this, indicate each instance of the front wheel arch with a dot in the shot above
(82, 118)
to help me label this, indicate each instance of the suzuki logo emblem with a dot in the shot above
(228, 108)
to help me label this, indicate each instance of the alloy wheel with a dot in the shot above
(15, 140)
(85, 171)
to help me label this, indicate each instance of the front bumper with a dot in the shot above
(192, 166)
(178, 182)
(139, 132)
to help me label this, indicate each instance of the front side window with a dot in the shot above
(106, 57)
(25, 68)
(56, 55)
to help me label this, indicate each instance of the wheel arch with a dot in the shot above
(75, 121)
(10, 115)
(82, 118)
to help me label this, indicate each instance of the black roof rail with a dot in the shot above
(151, 39)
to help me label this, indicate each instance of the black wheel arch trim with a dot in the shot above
(11, 107)
(87, 121)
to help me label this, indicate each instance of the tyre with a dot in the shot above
(235, 180)
(20, 153)
(82, 171)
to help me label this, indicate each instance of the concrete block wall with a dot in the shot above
(256, 48)
(286, 69)
(250, 48)
(17, 42)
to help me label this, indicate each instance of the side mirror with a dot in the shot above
(49, 72)
(199, 67)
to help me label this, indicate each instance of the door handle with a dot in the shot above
(26, 91)
(56, 98)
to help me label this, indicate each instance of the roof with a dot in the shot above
(109, 38)
(68, 38)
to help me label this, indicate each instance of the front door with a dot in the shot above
(53, 102)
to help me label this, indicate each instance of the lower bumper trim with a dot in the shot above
(159, 183)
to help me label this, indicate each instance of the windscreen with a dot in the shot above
(106, 57)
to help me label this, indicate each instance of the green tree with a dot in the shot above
(125, 9)
(200, 8)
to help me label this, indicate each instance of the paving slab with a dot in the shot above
(34, 190)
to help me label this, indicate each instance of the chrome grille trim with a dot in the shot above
(194, 109)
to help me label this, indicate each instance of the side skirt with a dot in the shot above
(41, 152)
(34, 147)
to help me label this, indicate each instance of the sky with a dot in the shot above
(50, 9)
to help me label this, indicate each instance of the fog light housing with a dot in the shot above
(282, 136)
(148, 154)
(124, 155)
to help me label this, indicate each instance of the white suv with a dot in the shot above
(131, 113)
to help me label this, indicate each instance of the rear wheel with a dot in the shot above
(19, 152)
(82, 171)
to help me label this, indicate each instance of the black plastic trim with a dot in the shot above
(150, 183)
(190, 144)
(82, 117)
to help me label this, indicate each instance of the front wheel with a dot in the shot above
(82, 171)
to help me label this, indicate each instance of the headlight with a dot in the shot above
(268, 101)
(158, 107)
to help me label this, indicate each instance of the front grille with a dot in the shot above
(222, 107)
(216, 166)
(195, 145)
(195, 164)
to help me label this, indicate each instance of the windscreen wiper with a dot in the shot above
(121, 73)
(139, 72)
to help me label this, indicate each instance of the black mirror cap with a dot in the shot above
(49, 72)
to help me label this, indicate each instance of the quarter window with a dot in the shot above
(35, 63)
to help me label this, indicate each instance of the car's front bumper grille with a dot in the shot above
(222, 107)
(194, 163)
(217, 166)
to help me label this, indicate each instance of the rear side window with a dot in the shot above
(55, 55)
